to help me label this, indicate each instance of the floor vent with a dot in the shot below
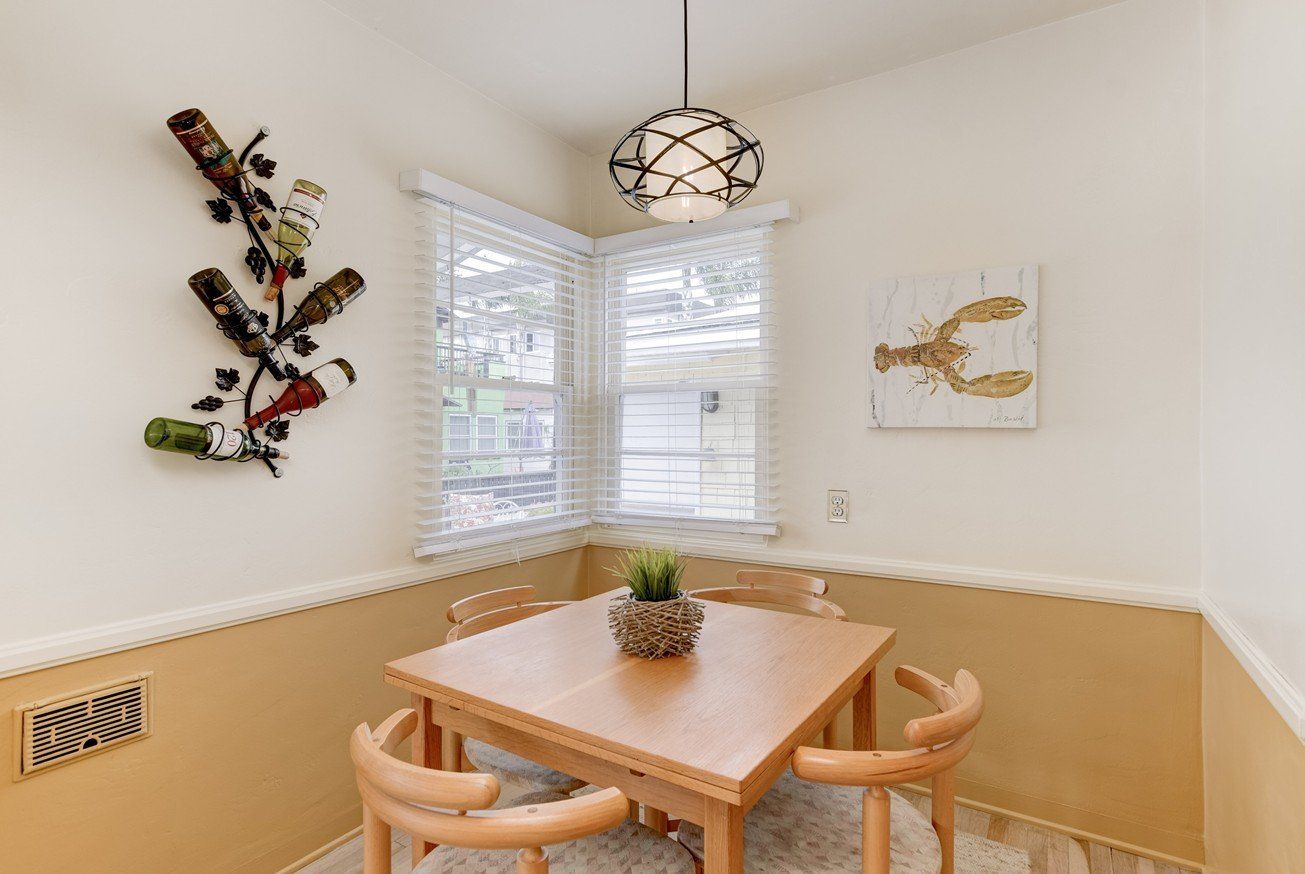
(60, 730)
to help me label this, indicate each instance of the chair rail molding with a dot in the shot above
(1282, 694)
(1077, 588)
(33, 654)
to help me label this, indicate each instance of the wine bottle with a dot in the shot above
(235, 318)
(326, 300)
(308, 391)
(217, 162)
(211, 441)
(300, 218)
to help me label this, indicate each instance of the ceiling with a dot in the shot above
(588, 70)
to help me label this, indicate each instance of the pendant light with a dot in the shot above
(686, 165)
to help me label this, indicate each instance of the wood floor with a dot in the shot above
(1050, 852)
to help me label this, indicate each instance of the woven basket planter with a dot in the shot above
(655, 629)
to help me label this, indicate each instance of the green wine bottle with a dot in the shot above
(211, 441)
(326, 300)
(300, 218)
(235, 318)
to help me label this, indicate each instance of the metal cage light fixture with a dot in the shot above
(687, 164)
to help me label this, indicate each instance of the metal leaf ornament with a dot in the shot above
(291, 371)
(277, 431)
(221, 210)
(227, 378)
(304, 345)
(297, 269)
(262, 317)
(264, 200)
(263, 166)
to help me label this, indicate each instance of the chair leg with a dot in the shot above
(828, 738)
(943, 813)
(532, 860)
(876, 817)
(634, 810)
(376, 843)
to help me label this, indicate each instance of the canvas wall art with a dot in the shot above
(958, 350)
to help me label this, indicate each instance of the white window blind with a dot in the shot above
(502, 412)
(687, 364)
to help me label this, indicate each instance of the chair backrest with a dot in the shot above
(941, 742)
(803, 601)
(782, 580)
(478, 613)
(401, 795)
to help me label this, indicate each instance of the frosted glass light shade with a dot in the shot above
(686, 165)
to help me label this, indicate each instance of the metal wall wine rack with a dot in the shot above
(258, 258)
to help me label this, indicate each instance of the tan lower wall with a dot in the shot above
(1093, 713)
(248, 768)
(1254, 773)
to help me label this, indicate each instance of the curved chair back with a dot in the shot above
(940, 742)
(785, 597)
(402, 795)
(776, 587)
(494, 609)
(782, 580)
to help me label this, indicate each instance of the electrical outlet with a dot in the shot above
(837, 505)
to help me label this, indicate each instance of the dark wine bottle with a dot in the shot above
(235, 318)
(217, 162)
(211, 441)
(308, 391)
(326, 300)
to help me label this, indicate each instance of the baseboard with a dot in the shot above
(305, 861)
(35, 654)
(1071, 831)
(1077, 588)
(1285, 697)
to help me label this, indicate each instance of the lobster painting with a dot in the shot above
(956, 350)
(940, 355)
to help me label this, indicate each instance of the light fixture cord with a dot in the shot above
(686, 54)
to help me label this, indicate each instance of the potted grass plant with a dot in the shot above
(655, 618)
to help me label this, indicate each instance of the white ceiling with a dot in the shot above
(588, 70)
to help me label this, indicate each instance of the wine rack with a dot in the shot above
(239, 199)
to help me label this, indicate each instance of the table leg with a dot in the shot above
(655, 819)
(427, 752)
(723, 836)
(864, 716)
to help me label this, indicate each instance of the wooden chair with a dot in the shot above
(802, 824)
(782, 588)
(480, 613)
(589, 833)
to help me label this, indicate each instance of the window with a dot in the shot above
(500, 327)
(687, 381)
(459, 433)
(486, 433)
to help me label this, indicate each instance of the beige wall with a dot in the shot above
(1254, 773)
(1074, 146)
(1093, 710)
(248, 767)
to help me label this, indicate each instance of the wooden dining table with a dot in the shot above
(701, 736)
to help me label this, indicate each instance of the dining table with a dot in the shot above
(702, 736)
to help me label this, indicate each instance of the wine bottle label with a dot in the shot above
(331, 378)
(224, 442)
(304, 203)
